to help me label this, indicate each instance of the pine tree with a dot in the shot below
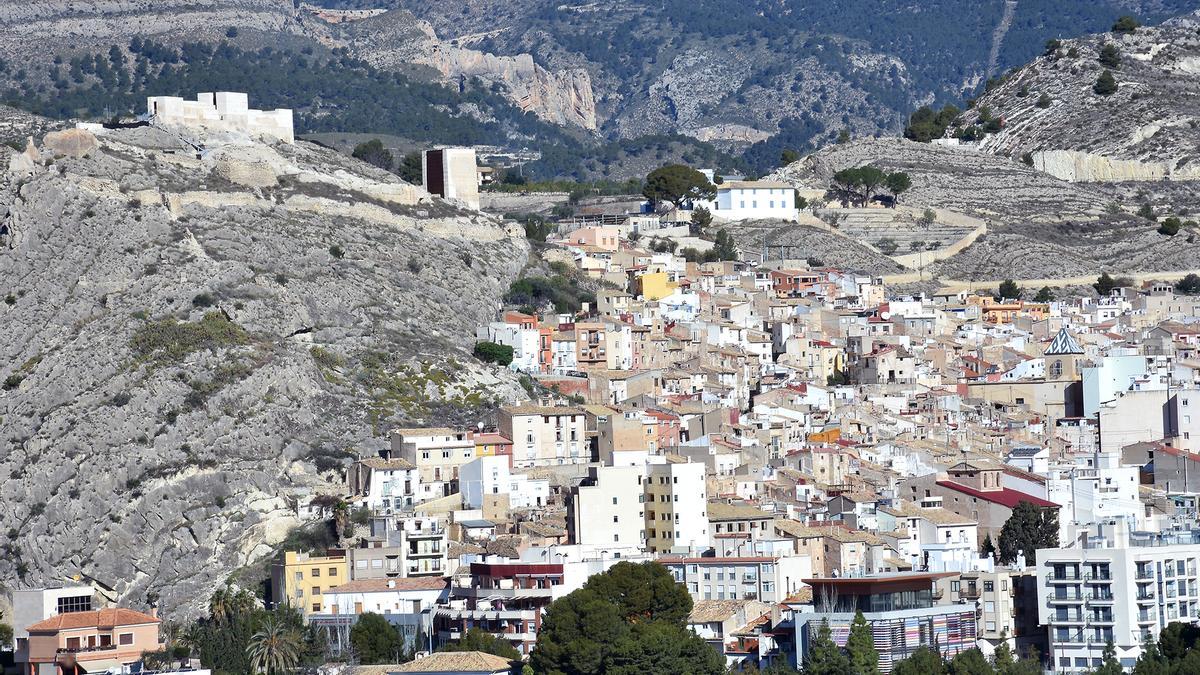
(988, 547)
(1109, 665)
(824, 657)
(1106, 84)
(860, 647)
(1151, 662)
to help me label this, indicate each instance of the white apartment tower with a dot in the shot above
(676, 507)
(1116, 586)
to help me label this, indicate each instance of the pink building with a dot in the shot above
(97, 640)
(599, 236)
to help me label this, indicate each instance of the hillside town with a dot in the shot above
(797, 446)
(604, 338)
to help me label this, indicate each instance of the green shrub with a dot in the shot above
(490, 352)
(169, 340)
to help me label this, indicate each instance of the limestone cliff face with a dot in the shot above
(194, 344)
(1147, 131)
(562, 96)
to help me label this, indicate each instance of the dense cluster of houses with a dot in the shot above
(794, 445)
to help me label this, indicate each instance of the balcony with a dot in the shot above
(1076, 638)
(1067, 619)
(1100, 599)
(1056, 599)
(1146, 618)
(1100, 576)
(1065, 578)
(1146, 595)
(483, 593)
(1144, 574)
(1100, 619)
(86, 650)
(971, 593)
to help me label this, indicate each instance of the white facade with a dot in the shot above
(524, 341)
(222, 111)
(452, 173)
(1116, 586)
(770, 579)
(676, 507)
(745, 200)
(607, 509)
(489, 475)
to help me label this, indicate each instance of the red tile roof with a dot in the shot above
(96, 618)
(1005, 497)
(397, 584)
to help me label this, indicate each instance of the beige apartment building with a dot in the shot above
(676, 507)
(545, 435)
(437, 452)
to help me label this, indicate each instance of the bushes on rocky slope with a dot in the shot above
(169, 340)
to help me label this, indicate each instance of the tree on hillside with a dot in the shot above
(1110, 56)
(857, 185)
(824, 657)
(490, 352)
(1170, 226)
(632, 618)
(410, 168)
(987, 548)
(677, 184)
(1043, 101)
(860, 647)
(376, 640)
(1125, 25)
(1045, 294)
(788, 156)
(1029, 528)
(1052, 46)
(724, 247)
(1009, 290)
(924, 124)
(1189, 285)
(479, 640)
(1104, 284)
(1106, 84)
(373, 152)
(897, 183)
(701, 219)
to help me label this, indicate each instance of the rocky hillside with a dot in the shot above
(193, 342)
(1038, 226)
(1147, 130)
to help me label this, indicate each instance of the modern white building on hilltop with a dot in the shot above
(750, 199)
(222, 111)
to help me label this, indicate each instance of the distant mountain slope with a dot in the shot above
(1149, 129)
(800, 70)
(191, 345)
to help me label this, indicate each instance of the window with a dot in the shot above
(989, 586)
(315, 572)
(125, 639)
(614, 501)
(333, 571)
(316, 590)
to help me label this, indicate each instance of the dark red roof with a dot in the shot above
(1005, 497)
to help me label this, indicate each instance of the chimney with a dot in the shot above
(154, 611)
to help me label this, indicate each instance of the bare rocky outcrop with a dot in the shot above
(191, 347)
(1038, 226)
(1148, 130)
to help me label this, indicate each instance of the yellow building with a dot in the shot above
(655, 285)
(301, 578)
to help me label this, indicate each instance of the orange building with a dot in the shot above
(98, 639)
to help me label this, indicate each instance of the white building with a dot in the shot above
(386, 485)
(770, 579)
(490, 475)
(607, 508)
(676, 507)
(222, 111)
(745, 200)
(544, 435)
(525, 342)
(451, 173)
(1115, 586)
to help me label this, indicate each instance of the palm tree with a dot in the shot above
(275, 648)
(220, 604)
